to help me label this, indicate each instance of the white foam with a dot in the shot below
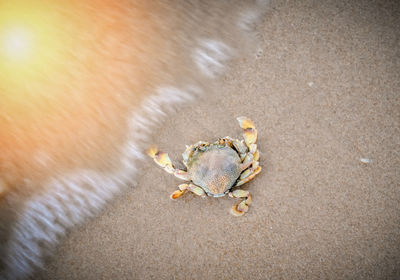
(69, 199)
(73, 197)
(210, 57)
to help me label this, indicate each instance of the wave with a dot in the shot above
(87, 116)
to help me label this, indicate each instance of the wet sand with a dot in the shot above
(323, 91)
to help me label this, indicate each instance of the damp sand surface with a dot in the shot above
(323, 91)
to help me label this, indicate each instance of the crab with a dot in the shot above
(215, 169)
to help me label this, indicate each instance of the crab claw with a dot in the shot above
(152, 151)
(161, 158)
(250, 132)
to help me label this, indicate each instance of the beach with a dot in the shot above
(323, 89)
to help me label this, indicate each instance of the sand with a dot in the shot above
(323, 91)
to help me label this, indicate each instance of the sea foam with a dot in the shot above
(176, 60)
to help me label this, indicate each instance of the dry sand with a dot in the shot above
(324, 94)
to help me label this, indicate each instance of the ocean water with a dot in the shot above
(76, 110)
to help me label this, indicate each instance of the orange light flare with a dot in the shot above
(71, 72)
(62, 64)
(27, 39)
(33, 69)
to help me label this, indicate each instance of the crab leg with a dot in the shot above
(249, 131)
(187, 187)
(250, 138)
(240, 147)
(241, 208)
(248, 174)
(162, 159)
(187, 154)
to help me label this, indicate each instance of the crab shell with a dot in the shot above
(215, 168)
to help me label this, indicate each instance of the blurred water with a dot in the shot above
(73, 124)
